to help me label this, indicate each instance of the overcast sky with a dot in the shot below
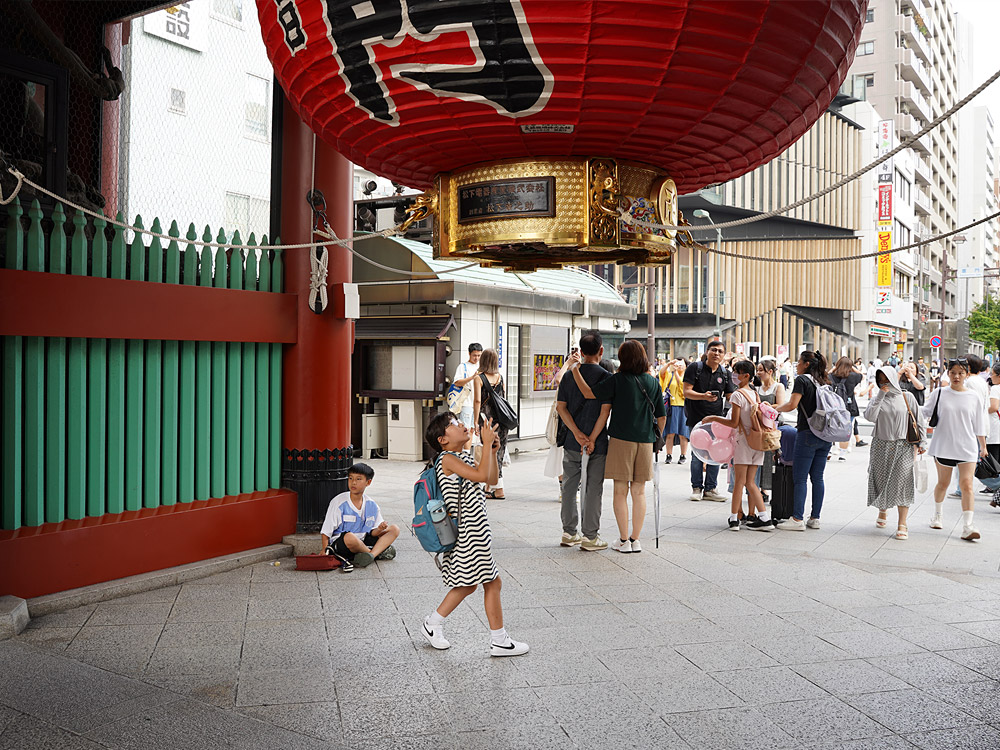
(985, 18)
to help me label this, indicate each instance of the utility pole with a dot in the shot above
(651, 314)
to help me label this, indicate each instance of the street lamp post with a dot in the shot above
(701, 213)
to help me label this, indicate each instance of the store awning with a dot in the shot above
(407, 327)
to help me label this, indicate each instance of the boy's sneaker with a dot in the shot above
(936, 522)
(682, 460)
(346, 566)
(714, 496)
(636, 547)
(593, 545)
(569, 540)
(363, 559)
(434, 636)
(668, 459)
(696, 493)
(756, 523)
(619, 546)
(389, 553)
(969, 533)
(734, 524)
(812, 523)
(510, 648)
(790, 524)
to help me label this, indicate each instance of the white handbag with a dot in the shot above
(920, 474)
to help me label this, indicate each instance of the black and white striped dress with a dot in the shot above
(471, 561)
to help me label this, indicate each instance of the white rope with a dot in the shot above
(429, 274)
(627, 218)
(17, 188)
(319, 261)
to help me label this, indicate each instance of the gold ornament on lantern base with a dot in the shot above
(548, 213)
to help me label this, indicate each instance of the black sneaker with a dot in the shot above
(668, 459)
(346, 565)
(682, 460)
(759, 525)
(734, 524)
(860, 444)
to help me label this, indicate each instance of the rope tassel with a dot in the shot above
(319, 293)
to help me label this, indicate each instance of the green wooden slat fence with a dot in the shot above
(98, 426)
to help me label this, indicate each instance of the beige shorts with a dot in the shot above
(631, 462)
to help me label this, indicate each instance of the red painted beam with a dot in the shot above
(51, 304)
(61, 556)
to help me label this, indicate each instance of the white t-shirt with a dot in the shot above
(994, 437)
(465, 370)
(981, 388)
(342, 515)
(961, 418)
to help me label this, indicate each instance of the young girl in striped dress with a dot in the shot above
(470, 562)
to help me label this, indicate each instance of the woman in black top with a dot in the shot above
(910, 380)
(810, 451)
(844, 379)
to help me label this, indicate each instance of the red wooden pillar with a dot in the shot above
(316, 390)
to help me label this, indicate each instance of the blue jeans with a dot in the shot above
(809, 463)
(711, 474)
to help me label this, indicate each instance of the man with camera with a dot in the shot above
(706, 386)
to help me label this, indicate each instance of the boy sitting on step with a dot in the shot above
(354, 530)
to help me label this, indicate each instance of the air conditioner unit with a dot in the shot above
(374, 435)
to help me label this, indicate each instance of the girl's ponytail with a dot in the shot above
(816, 366)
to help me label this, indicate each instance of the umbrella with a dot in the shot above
(585, 460)
(656, 496)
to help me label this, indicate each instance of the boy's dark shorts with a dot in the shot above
(340, 546)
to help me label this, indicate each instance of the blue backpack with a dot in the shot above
(436, 531)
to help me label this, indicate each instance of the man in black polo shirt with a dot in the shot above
(706, 384)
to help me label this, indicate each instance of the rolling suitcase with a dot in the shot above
(781, 492)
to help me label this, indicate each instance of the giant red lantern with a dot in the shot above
(600, 95)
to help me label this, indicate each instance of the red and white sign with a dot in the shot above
(885, 205)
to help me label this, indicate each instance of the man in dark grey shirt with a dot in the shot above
(585, 420)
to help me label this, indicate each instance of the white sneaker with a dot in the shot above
(790, 524)
(970, 534)
(695, 495)
(434, 636)
(812, 523)
(593, 545)
(569, 540)
(619, 546)
(511, 648)
(714, 496)
(936, 522)
(636, 547)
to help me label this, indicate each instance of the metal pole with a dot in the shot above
(718, 283)
(944, 296)
(651, 314)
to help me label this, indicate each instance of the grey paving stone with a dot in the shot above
(727, 655)
(939, 637)
(216, 689)
(984, 660)
(871, 642)
(114, 636)
(164, 594)
(737, 727)
(514, 707)
(547, 669)
(89, 720)
(7, 715)
(923, 670)
(284, 655)
(951, 612)
(393, 717)
(236, 575)
(799, 649)
(444, 741)
(71, 618)
(655, 734)
(130, 660)
(967, 738)
(659, 611)
(211, 658)
(988, 629)
(646, 663)
(847, 677)
(825, 620)
(629, 592)
(768, 685)
(283, 589)
(319, 720)
(579, 704)
(979, 699)
(683, 692)
(53, 639)
(214, 592)
(381, 679)
(29, 733)
(827, 718)
(892, 616)
(911, 710)
(308, 685)
(891, 742)
(226, 610)
(279, 632)
(180, 634)
(278, 609)
(115, 613)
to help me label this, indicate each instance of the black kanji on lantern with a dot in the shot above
(508, 74)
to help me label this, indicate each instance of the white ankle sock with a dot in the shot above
(967, 517)
(764, 516)
(499, 637)
(733, 516)
(434, 619)
(937, 508)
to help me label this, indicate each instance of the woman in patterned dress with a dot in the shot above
(771, 392)
(890, 469)
(470, 562)
(483, 410)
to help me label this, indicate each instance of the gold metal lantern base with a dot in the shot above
(548, 213)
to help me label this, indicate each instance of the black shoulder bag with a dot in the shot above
(933, 421)
(503, 412)
(659, 439)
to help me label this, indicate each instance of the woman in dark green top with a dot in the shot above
(636, 408)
